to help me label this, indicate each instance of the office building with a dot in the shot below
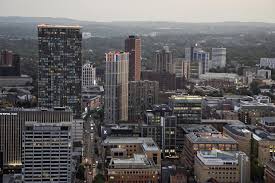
(142, 96)
(181, 68)
(167, 81)
(241, 134)
(11, 129)
(269, 172)
(267, 63)
(187, 108)
(59, 67)
(200, 57)
(116, 87)
(88, 75)
(222, 166)
(264, 74)
(132, 159)
(218, 58)
(163, 60)
(9, 64)
(195, 142)
(47, 148)
(133, 47)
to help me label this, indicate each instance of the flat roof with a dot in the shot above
(208, 138)
(217, 157)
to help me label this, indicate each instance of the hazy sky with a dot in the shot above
(155, 10)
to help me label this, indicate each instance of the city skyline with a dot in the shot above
(175, 10)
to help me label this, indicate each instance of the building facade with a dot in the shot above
(59, 66)
(222, 166)
(163, 60)
(218, 58)
(12, 124)
(47, 148)
(142, 96)
(88, 75)
(9, 64)
(186, 108)
(116, 87)
(133, 47)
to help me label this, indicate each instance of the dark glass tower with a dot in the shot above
(59, 73)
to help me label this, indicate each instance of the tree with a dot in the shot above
(99, 178)
(80, 174)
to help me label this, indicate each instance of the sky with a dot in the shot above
(144, 10)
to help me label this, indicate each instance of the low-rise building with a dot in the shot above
(205, 142)
(222, 166)
(132, 159)
(241, 134)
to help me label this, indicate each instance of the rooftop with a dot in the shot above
(237, 129)
(198, 128)
(210, 138)
(148, 144)
(138, 161)
(217, 157)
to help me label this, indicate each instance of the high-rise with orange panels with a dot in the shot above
(133, 46)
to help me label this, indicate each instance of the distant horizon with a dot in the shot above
(156, 21)
(189, 11)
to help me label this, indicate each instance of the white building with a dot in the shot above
(264, 74)
(220, 76)
(218, 58)
(47, 147)
(181, 68)
(116, 87)
(267, 62)
(88, 75)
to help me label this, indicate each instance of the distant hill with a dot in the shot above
(26, 27)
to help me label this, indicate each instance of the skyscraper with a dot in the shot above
(163, 60)
(116, 87)
(59, 66)
(47, 147)
(218, 58)
(133, 46)
(12, 122)
(88, 75)
(195, 54)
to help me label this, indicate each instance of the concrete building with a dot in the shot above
(251, 112)
(9, 64)
(92, 97)
(222, 166)
(88, 75)
(181, 68)
(133, 47)
(47, 148)
(264, 74)
(163, 60)
(167, 81)
(12, 123)
(220, 76)
(218, 59)
(59, 66)
(142, 96)
(241, 134)
(269, 173)
(116, 87)
(195, 142)
(187, 108)
(132, 159)
(197, 55)
(267, 63)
